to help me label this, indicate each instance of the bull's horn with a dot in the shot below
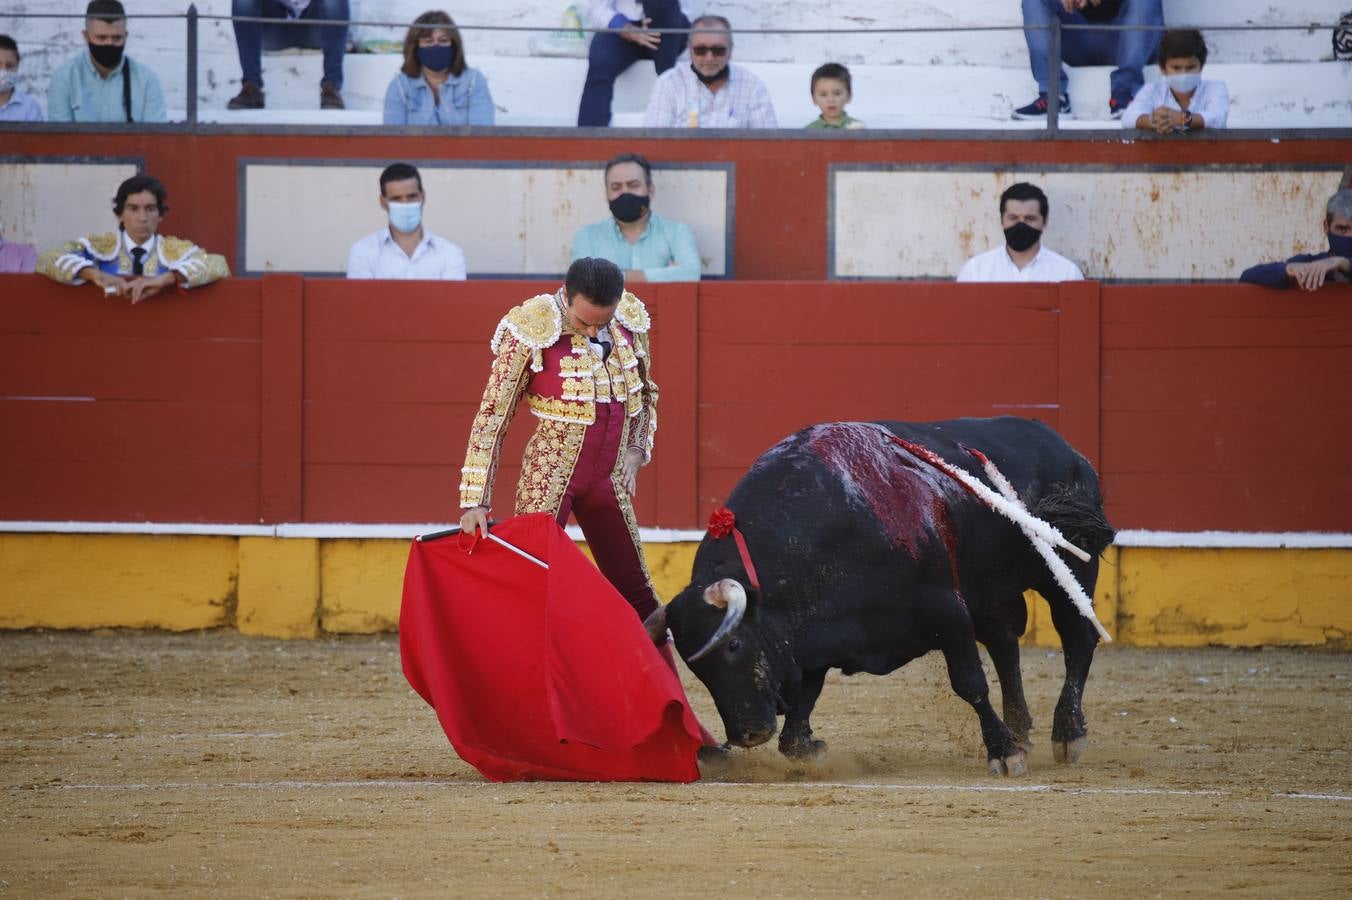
(656, 625)
(732, 597)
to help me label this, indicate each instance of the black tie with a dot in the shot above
(138, 267)
(605, 348)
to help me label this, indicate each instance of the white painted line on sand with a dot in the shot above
(703, 785)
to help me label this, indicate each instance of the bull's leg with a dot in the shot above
(944, 614)
(1003, 646)
(795, 739)
(1078, 640)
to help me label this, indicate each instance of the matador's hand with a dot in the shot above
(475, 517)
(633, 461)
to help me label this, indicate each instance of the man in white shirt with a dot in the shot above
(1023, 216)
(711, 92)
(404, 249)
(638, 38)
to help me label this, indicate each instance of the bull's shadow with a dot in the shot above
(867, 555)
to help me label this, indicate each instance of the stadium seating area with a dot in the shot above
(971, 80)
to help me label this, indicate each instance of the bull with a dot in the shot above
(869, 555)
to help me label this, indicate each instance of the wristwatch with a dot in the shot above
(1187, 120)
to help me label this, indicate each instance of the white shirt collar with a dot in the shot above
(148, 246)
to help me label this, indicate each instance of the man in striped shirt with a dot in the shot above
(711, 92)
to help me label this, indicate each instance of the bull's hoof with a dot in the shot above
(713, 757)
(1069, 751)
(810, 750)
(1015, 764)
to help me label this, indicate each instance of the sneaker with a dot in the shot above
(1038, 108)
(1116, 107)
(250, 96)
(330, 97)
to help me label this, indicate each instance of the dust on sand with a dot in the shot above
(141, 764)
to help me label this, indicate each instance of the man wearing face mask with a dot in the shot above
(1311, 271)
(15, 105)
(1023, 216)
(404, 249)
(645, 245)
(1181, 101)
(103, 84)
(711, 92)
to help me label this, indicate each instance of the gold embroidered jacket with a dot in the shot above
(562, 380)
(108, 253)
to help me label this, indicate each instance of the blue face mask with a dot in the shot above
(437, 57)
(1340, 245)
(405, 217)
(1184, 83)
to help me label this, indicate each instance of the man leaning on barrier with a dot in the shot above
(103, 84)
(136, 261)
(1311, 271)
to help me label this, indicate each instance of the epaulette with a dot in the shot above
(173, 249)
(633, 314)
(102, 246)
(537, 323)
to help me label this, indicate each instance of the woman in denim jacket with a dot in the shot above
(434, 86)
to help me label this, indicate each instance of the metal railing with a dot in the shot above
(192, 19)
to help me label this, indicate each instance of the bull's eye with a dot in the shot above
(734, 645)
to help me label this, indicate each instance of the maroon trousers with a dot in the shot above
(606, 516)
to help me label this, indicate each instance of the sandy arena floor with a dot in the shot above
(135, 764)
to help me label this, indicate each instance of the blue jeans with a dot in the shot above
(611, 54)
(254, 37)
(1128, 50)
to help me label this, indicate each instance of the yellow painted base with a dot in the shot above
(303, 587)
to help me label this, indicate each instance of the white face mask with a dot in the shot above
(9, 79)
(405, 217)
(1184, 83)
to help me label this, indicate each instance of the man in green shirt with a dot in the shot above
(645, 245)
(103, 84)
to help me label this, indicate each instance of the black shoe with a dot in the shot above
(330, 97)
(1038, 108)
(1116, 107)
(250, 96)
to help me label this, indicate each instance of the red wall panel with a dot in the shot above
(286, 399)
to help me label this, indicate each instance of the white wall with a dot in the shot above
(47, 204)
(1122, 223)
(509, 220)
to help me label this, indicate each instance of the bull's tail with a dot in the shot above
(1077, 510)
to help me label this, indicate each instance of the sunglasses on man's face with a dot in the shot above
(717, 51)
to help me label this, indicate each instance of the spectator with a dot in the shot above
(135, 261)
(1023, 216)
(15, 105)
(611, 53)
(434, 86)
(404, 249)
(252, 38)
(647, 246)
(1312, 271)
(830, 92)
(17, 259)
(1129, 50)
(712, 92)
(1180, 100)
(104, 84)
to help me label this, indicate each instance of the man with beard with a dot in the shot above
(103, 84)
(711, 92)
(1023, 216)
(645, 245)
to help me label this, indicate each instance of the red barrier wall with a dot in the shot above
(781, 186)
(285, 399)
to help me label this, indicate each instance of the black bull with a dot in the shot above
(869, 557)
